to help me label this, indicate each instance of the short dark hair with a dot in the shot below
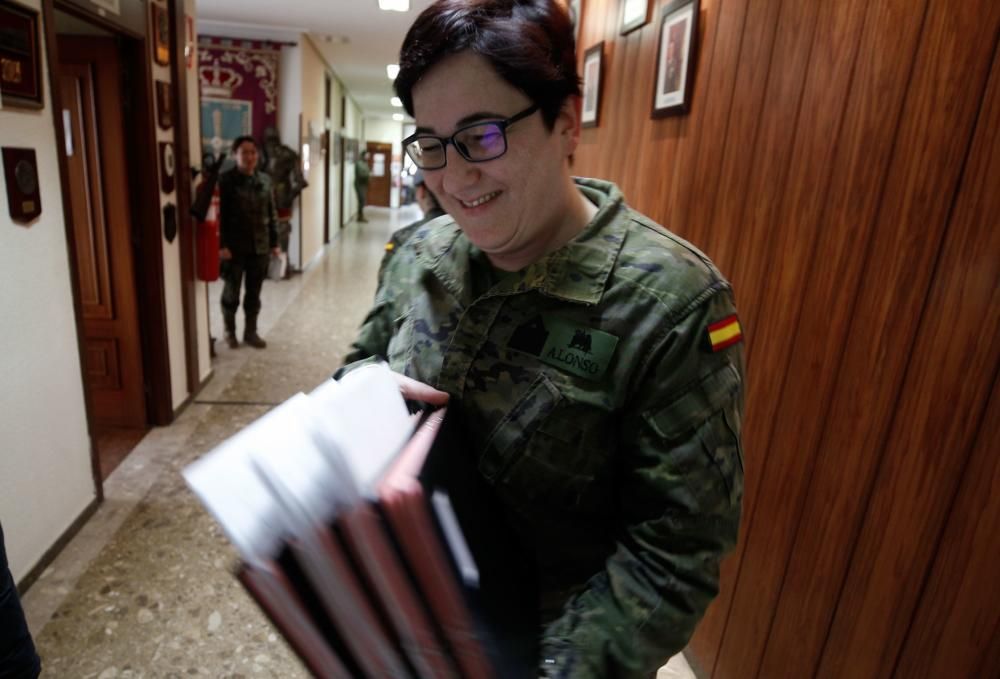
(240, 140)
(529, 43)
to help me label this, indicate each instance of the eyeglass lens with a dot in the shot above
(476, 143)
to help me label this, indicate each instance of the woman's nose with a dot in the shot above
(458, 172)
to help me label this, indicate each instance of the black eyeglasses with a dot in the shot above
(476, 143)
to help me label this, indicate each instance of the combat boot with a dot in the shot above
(230, 321)
(250, 335)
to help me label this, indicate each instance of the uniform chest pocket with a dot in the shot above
(539, 455)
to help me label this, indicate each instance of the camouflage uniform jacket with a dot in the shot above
(248, 222)
(603, 411)
(400, 236)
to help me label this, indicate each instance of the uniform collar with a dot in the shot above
(577, 272)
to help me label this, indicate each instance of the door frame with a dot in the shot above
(140, 143)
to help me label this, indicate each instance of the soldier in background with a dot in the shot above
(284, 167)
(248, 236)
(595, 358)
(361, 175)
(431, 209)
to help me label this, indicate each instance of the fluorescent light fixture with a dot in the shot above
(392, 70)
(394, 5)
(395, 101)
(398, 117)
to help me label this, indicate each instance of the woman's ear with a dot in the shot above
(568, 123)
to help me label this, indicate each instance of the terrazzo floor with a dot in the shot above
(145, 589)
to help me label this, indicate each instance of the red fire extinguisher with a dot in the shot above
(206, 210)
(208, 241)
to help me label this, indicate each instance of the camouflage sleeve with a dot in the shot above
(372, 342)
(682, 476)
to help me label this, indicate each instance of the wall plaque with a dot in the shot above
(168, 165)
(20, 77)
(24, 200)
(164, 105)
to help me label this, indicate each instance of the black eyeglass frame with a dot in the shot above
(444, 141)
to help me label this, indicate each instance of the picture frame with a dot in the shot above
(634, 14)
(20, 61)
(164, 105)
(676, 56)
(160, 33)
(593, 73)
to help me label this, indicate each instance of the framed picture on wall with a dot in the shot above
(676, 58)
(20, 75)
(635, 13)
(593, 68)
(160, 33)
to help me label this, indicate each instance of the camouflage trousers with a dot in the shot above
(233, 270)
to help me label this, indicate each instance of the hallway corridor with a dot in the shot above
(146, 588)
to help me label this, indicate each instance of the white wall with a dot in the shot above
(45, 473)
(172, 293)
(194, 151)
(313, 108)
(388, 131)
(289, 106)
(351, 130)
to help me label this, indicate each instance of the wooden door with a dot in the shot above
(99, 195)
(380, 162)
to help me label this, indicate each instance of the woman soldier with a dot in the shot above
(595, 358)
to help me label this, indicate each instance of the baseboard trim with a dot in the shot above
(179, 410)
(52, 552)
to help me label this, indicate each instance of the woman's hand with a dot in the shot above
(225, 254)
(413, 390)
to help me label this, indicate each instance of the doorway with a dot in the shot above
(380, 181)
(97, 185)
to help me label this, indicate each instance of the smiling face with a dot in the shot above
(522, 205)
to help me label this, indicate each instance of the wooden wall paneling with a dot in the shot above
(687, 129)
(648, 162)
(751, 81)
(772, 149)
(713, 106)
(591, 33)
(625, 116)
(960, 610)
(792, 350)
(651, 163)
(815, 570)
(954, 361)
(636, 117)
(777, 107)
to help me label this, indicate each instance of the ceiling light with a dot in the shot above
(397, 102)
(392, 70)
(398, 117)
(394, 5)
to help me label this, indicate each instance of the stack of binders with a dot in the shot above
(369, 540)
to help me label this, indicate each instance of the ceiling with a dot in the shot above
(356, 38)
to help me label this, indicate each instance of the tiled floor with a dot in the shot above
(146, 588)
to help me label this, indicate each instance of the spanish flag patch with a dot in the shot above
(725, 333)
(390, 246)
